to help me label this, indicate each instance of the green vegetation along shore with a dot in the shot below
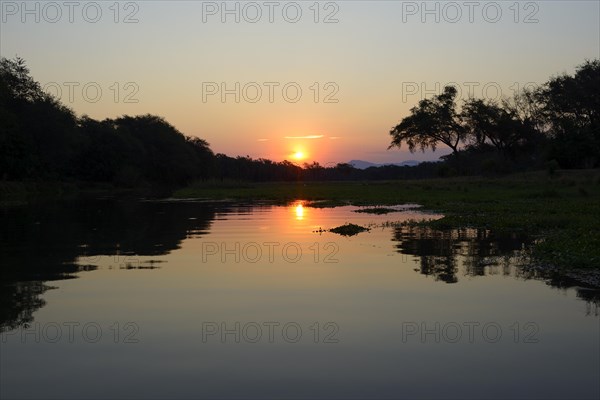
(562, 208)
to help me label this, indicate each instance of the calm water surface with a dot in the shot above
(189, 300)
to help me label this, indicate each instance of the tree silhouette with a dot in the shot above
(433, 121)
(571, 107)
(18, 84)
(502, 125)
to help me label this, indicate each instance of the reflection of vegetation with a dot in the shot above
(376, 210)
(45, 242)
(590, 293)
(440, 252)
(592, 299)
(446, 254)
(19, 301)
(349, 229)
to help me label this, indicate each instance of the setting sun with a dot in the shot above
(299, 155)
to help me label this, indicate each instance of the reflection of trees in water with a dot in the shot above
(442, 254)
(446, 254)
(442, 268)
(592, 300)
(19, 300)
(43, 243)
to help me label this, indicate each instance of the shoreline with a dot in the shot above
(563, 209)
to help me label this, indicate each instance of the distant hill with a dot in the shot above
(361, 164)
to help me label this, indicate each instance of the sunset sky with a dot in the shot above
(358, 75)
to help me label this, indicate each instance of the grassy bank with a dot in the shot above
(20, 193)
(564, 209)
(14, 193)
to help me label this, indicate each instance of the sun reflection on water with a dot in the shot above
(299, 210)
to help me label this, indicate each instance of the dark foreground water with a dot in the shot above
(188, 300)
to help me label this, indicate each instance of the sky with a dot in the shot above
(304, 80)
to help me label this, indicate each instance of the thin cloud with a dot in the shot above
(262, 140)
(304, 137)
(335, 137)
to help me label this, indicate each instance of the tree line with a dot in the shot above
(556, 123)
(42, 139)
